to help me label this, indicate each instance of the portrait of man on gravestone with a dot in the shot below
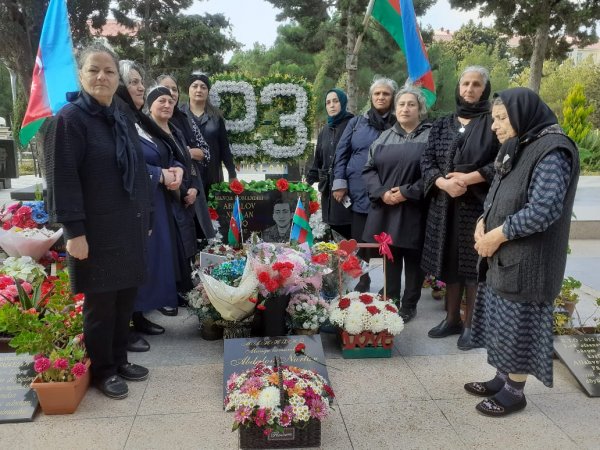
(282, 215)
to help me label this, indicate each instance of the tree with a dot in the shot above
(471, 35)
(542, 23)
(575, 113)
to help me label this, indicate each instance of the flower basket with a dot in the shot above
(290, 437)
(61, 397)
(235, 329)
(366, 345)
(438, 294)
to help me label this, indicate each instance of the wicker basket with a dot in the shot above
(291, 437)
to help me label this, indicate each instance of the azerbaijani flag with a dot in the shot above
(398, 18)
(54, 73)
(301, 230)
(235, 225)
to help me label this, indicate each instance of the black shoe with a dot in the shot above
(445, 329)
(136, 343)
(407, 314)
(464, 341)
(133, 372)
(364, 283)
(181, 301)
(168, 311)
(143, 325)
(480, 389)
(494, 408)
(113, 387)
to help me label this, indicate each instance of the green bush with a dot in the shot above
(575, 114)
(589, 152)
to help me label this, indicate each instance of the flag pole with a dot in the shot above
(292, 221)
(237, 198)
(359, 39)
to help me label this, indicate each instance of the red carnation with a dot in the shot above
(272, 285)
(390, 308)
(373, 310)
(236, 187)
(264, 277)
(313, 207)
(261, 307)
(213, 213)
(252, 299)
(344, 303)
(321, 258)
(285, 273)
(329, 391)
(366, 299)
(282, 185)
(300, 348)
(6, 226)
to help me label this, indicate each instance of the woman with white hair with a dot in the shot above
(457, 168)
(351, 157)
(392, 176)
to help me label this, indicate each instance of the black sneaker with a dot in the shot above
(113, 387)
(133, 372)
(407, 314)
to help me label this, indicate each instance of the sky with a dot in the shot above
(254, 20)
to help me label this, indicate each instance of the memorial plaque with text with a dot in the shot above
(243, 354)
(581, 355)
(259, 211)
(18, 402)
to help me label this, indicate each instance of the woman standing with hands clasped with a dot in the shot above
(522, 239)
(334, 214)
(457, 167)
(393, 179)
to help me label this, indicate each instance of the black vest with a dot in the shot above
(529, 269)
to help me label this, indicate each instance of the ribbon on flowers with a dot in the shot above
(384, 241)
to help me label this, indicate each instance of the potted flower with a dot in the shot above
(367, 324)
(438, 289)
(307, 313)
(46, 321)
(565, 309)
(278, 406)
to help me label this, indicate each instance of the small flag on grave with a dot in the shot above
(235, 237)
(301, 230)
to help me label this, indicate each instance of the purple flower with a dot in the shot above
(318, 409)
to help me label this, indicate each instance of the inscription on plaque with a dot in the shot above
(18, 402)
(581, 355)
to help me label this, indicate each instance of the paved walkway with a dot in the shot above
(413, 400)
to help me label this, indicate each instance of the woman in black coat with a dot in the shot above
(212, 126)
(334, 213)
(457, 168)
(395, 187)
(98, 190)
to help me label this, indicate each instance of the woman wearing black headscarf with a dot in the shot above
(334, 213)
(210, 121)
(457, 167)
(522, 239)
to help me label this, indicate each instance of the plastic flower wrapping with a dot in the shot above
(307, 311)
(283, 270)
(341, 267)
(256, 398)
(357, 312)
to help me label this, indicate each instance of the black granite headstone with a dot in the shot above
(243, 354)
(581, 355)
(18, 402)
(258, 210)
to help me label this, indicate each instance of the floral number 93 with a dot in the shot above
(253, 143)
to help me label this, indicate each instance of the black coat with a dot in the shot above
(445, 213)
(86, 195)
(394, 160)
(334, 213)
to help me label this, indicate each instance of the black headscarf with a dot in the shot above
(125, 147)
(380, 122)
(158, 91)
(334, 121)
(469, 110)
(529, 116)
(199, 77)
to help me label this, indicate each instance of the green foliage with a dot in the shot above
(5, 95)
(260, 186)
(575, 114)
(589, 152)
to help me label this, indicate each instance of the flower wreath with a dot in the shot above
(267, 119)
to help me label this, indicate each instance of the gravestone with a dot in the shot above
(18, 402)
(581, 355)
(260, 211)
(243, 354)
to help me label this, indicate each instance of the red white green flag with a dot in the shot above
(398, 18)
(301, 230)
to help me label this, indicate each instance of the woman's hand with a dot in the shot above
(489, 243)
(479, 230)
(190, 197)
(454, 186)
(196, 153)
(176, 178)
(393, 197)
(339, 194)
(78, 247)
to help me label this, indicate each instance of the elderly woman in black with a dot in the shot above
(210, 121)
(393, 179)
(98, 189)
(457, 168)
(522, 239)
(334, 213)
